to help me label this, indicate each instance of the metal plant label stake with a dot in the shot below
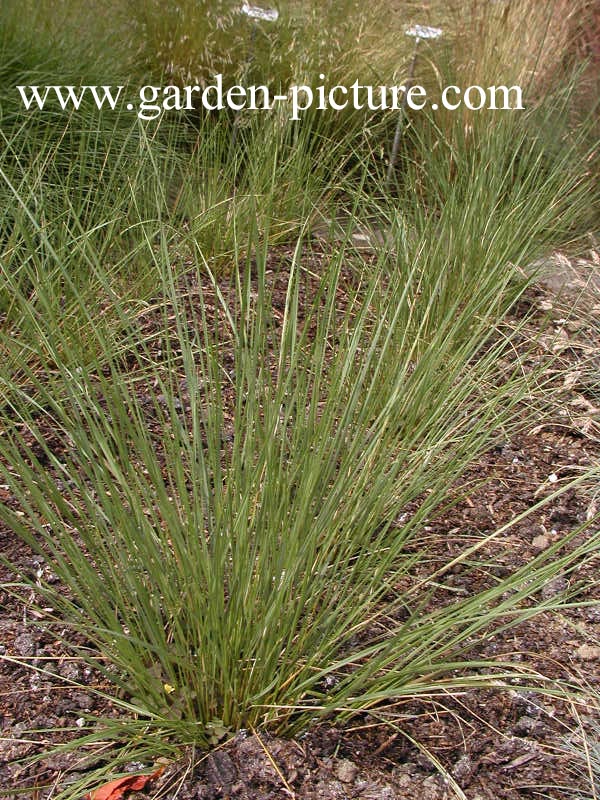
(256, 12)
(418, 32)
(253, 13)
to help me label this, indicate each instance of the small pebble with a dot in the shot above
(554, 587)
(462, 771)
(346, 770)
(82, 700)
(540, 543)
(525, 725)
(25, 644)
(588, 652)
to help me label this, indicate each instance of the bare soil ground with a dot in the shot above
(494, 745)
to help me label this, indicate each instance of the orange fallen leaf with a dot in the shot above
(115, 790)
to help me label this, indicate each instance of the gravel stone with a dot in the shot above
(346, 770)
(24, 644)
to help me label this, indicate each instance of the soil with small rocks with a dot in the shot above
(503, 744)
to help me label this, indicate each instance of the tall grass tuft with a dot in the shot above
(230, 478)
(237, 506)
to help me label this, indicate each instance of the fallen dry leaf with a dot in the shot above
(115, 790)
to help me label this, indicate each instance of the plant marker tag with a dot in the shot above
(256, 12)
(418, 32)
(424, 32)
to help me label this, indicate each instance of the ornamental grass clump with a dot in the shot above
(235, 516)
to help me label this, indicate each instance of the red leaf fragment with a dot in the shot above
(115, 790)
